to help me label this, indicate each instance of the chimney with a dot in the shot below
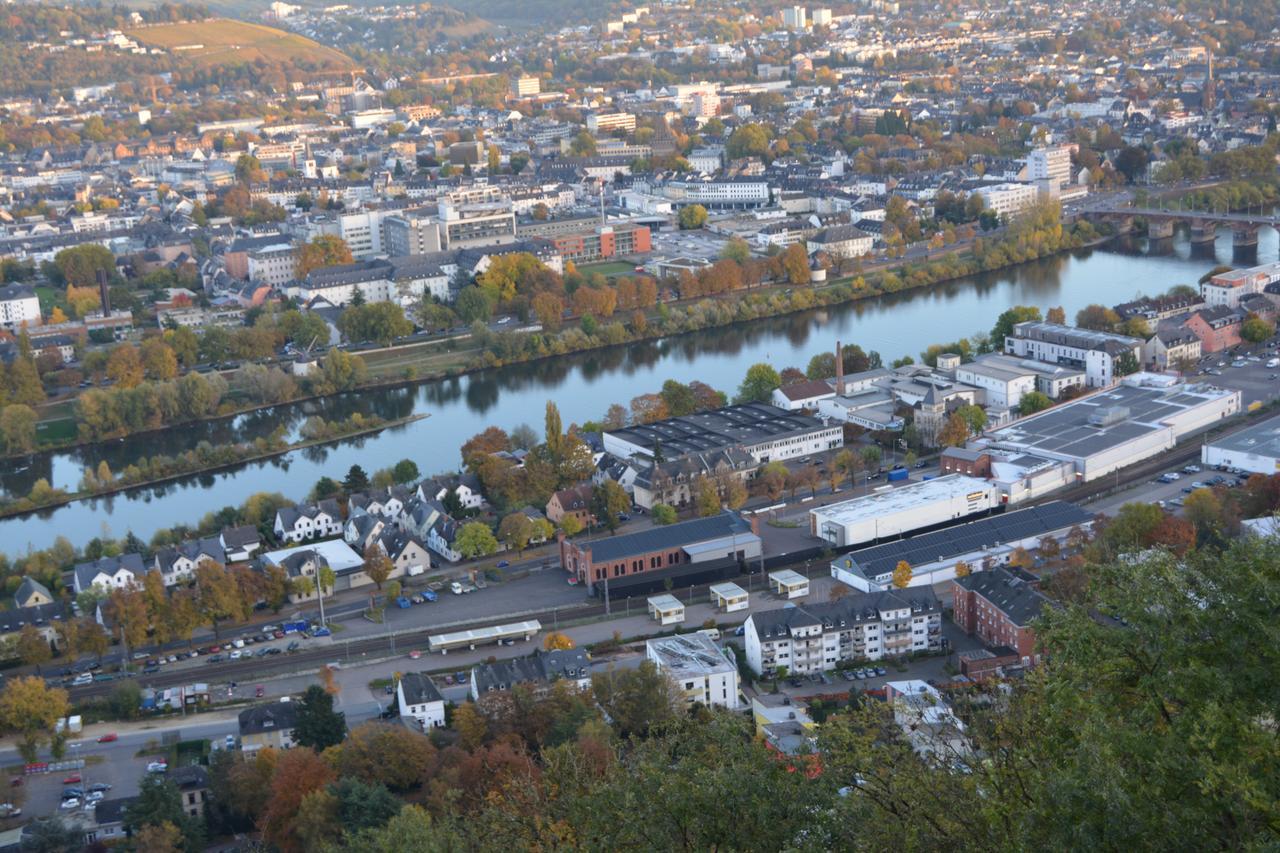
(839, 370)
(104, 293)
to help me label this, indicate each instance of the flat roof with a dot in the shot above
(788, 577)
(892, 500)
(665, 602)
(1065, 430)
(963, 539)
(1259, 440)
(485, 635)
(338, 554)
(728, 589)
(746, 424)
(688, 655)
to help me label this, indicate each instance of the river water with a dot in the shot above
(583, 386)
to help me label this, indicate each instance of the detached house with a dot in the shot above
(239, 543)
(464, 487)
(309, 521)
(574, 501)
(419, 699)
(108, 573)
(178, 563)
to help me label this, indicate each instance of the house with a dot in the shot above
(305, 562)
(108, 818)
(270, 725)
(362, 530)
(177, 563)
(465, 488)
(698, 667)
(192, 781)
(998, 607)
(926, 720)
(240, 543)
(441, 536)
(841, 241)
(1217, 328)
(860, 626)
(45, 618)
(309, 521)
(419, 699)
(408, 555)
(673, 482)
(574, 501)
(538, 671)
(1170, 344)
(108, 573)
(803, 395)
(388, 503)
(32, 593)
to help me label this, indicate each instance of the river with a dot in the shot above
(582, 385)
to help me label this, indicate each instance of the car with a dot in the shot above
(415, 654)
(502, 564)
(321, 632)
(9, 810)
(214, 659)
(94, 797)
(293, 647)
(150, 670)
(73, 779)
(739, 631)
(795, 681)
(448, 679)
(428, 595)
(278, 635)
(622, 516)
(111, 737)
(68, 793)
(881, 671)
(922, 465)
(82, 679)
(573, 580)
(157, 767)
(99, 787)
(275, 650)
(259, 691)
(1187, 490)
(230, 742)
(1173, 475)
(235, 655)
(71, 803)
(239, 644)
(1191, 469)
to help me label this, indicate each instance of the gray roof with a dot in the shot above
(86, 572)
(273, 716)
(538, 668)
(853, 609)
(666, 537)
(29, 587)
(1008, 593)
(745, 424)
(419, 689)
(40, 615)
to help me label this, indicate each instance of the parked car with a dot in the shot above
(99, 787)
(158, 767)
(428, 595)
(321, 632)
(502, 564)
(71, 803)
(73, 779)
(109, 738)
(9, 810)
(259, 691)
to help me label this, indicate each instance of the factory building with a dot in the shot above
(896, 511)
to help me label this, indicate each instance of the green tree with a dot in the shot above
(609, 501)
(405, 471)
(357, 480)
(475, 539)
(692, 217)
(18, 428)
(362, 805)
(1032, 402)
(317, 724)
(515, 531)
(759, 384)
(638, 700)
(1256, 330)
(663, 514)
(472, 305)
(159, 802)
(748, 140)
(1010, 318)
(736, 250)
(79, 265)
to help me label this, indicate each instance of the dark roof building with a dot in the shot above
(998, 606)
(539, 670)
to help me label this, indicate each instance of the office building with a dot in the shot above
(1052, 164)
(609, 122)
(479, 217)
(19, 306)
(1099, 354)
(858, 627)
(794, 18)
(411, 234)
(526, 86)
(701, 671)
(274, 264)
(1008, 199)
(606, 241)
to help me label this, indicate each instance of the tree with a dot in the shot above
(30, 708)
(1100, 318)
(377, 565)
(24, 380)
(475, 539)
(124, 366)
(963, 570)
(340, 370)
(357, 480)
(249, 170)
(158, 809)
(1256, 330)
(609, 501)
(638, 700)
(1125, 364)
(975, 417)
(955, 432)
(663, 514)
(678, 398)
(297, 773)
(472, 305)
(557, 641)
(471, 725)
(218, 596)
(363, 805)
(795, 264)
(707, 497)
(1131, 162)
(384, 753)
(18, 428)
(736, 250)
(33, 648)
(692, 217)
(158, 359)
(317, 724)
(1032, 402)
(381, 322)
(79, 266)
(325, 250)
(553, 432)
(774, 478)
(1008, 319)
(571, 525)
(515, 531)
(1056, 315)
(748, 140)
(759, 383)
(902, 575)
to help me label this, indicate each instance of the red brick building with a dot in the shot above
(1217, 328)
(574, 501)
(601, 243)
(998, 606)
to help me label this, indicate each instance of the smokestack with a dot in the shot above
(839, 369)
(104, 293)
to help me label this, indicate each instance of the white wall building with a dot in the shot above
(1008, 199)
(1094, 352)
(419, 698)
(896, 511)
(19, 305)
(698, 667)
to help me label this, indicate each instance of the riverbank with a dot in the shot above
(63, 498)
(416, 364)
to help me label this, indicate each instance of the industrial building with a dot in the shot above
(897, 511)
(1093, 436)
(698, 667)
(1256, 449)
(766, 432)
(981, 544)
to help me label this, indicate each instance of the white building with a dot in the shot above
(419, 699)
(607, 122)
(897, 511)
(1230, 287)
(857, 627)
(1008, 199)
(275, 264)
(1052, 164)
(1095, 352)
(314, 521)
(724, 192)
(19, 305)
(1255, 449)
(794, 18)
(820, 17)
(1004, 385)
(698, 667)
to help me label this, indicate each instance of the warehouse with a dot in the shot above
(1256, 449)
(1116, 427)
(766, 432)
(895, 511)
(984, 543)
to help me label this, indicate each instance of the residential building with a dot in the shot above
(192, 782)
(1097, 353)
(998, 607)
(699, 540)
(19, 306)
(268, 726)
(609, 122)
(841, 242)
(411, 234)
(803, 395)
(1228, 288)
(574, 501)
(108, 573)
(858, 627)
(1051, 164)
(525, 86)
(240, 543)
(309, 521)
(537, 672)
(274, 264)
(32, 593)
(177, 563)
(606, 241)
(927, 722)
(1008, 200)
(673, 482)
(794, 17)
(419, 699)
(481, 217)
(1170, 345)
(699, 668)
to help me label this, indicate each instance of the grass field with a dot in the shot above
(223, 40)
(609, 269)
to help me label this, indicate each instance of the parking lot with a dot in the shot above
(1245, 368)
(689, 244)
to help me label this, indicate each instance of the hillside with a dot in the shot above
(525, 13)
(222, 41)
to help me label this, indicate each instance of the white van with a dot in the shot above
(1273, 362)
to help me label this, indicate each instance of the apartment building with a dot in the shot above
(609, 122)
(1052, 164)
(607, 241)
(998, 607)
(1008, 199)
(719, 193)
(526, 86)
(410, 234)
(19, 305)
(273, 264)
(860, 626)
(1094, 352)
(479, 217)
(698, 667)
(1228, 288)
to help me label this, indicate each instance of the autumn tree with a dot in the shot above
(377, 565)
(515, 531)
(124, 366)
(218, 596)
(33, 648)
(706, 497)
(30, 708)
(902, 575)
(475, 539)
(471, 725)
(297, 773)
(325, 250)
(386, 753)
(557, 641)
